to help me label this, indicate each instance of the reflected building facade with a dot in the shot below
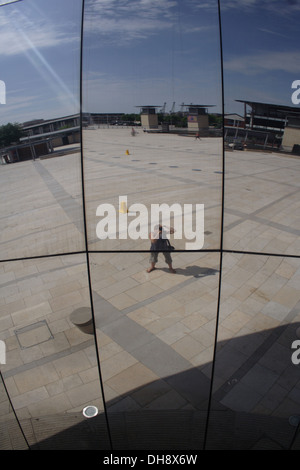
(101, 353)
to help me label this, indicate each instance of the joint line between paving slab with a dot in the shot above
(153, 172)
(71, 207)
(255, 356)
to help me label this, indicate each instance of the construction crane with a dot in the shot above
(163, 109)
(173, 108)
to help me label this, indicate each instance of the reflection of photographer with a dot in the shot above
(160, 244)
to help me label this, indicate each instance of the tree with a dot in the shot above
(10, 134)
(176, 119)
(215, 120)
(131, 118)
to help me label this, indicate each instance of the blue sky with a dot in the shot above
(139, 52)
(39, 59)
(149, 52)
(260, 50)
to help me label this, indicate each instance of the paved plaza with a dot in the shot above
(155, 332)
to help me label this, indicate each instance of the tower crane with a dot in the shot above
(163, 109)
(173, 108)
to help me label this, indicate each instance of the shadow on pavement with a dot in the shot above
(235, 427)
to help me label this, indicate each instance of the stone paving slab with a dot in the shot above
(155, 332)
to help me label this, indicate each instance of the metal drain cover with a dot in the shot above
(34, 334)
(90, 411)
(294, 420)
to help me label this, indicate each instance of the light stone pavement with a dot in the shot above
(155, 331)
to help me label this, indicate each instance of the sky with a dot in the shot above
(40, 59)
(145, 52)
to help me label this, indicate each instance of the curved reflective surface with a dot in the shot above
(116, 117)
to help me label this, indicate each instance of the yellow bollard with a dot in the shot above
(123, 208)
(127, 152)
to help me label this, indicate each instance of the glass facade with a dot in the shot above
(132, 118)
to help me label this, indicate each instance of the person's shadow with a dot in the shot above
(194, 271)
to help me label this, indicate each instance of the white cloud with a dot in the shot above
(226, 4)
(265, 62)
(126, 20)
(18, 34)
(281, 7)
(274, 33)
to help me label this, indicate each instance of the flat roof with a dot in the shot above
(278, 107)
(237, 117)
(199, 105)
(149, 106)
(45, 122)
(31, 138)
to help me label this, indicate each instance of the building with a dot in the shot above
(57, 138)
(291, 136)
(41, 127)
(57, 132)
(234, 120)
(100, 119)
(197, 117)
(149, 117)
(25, 151)
(41, 137)
(264, 125)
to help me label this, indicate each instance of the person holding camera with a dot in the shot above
(160, 244)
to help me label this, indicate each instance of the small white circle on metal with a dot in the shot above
(90, 411)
